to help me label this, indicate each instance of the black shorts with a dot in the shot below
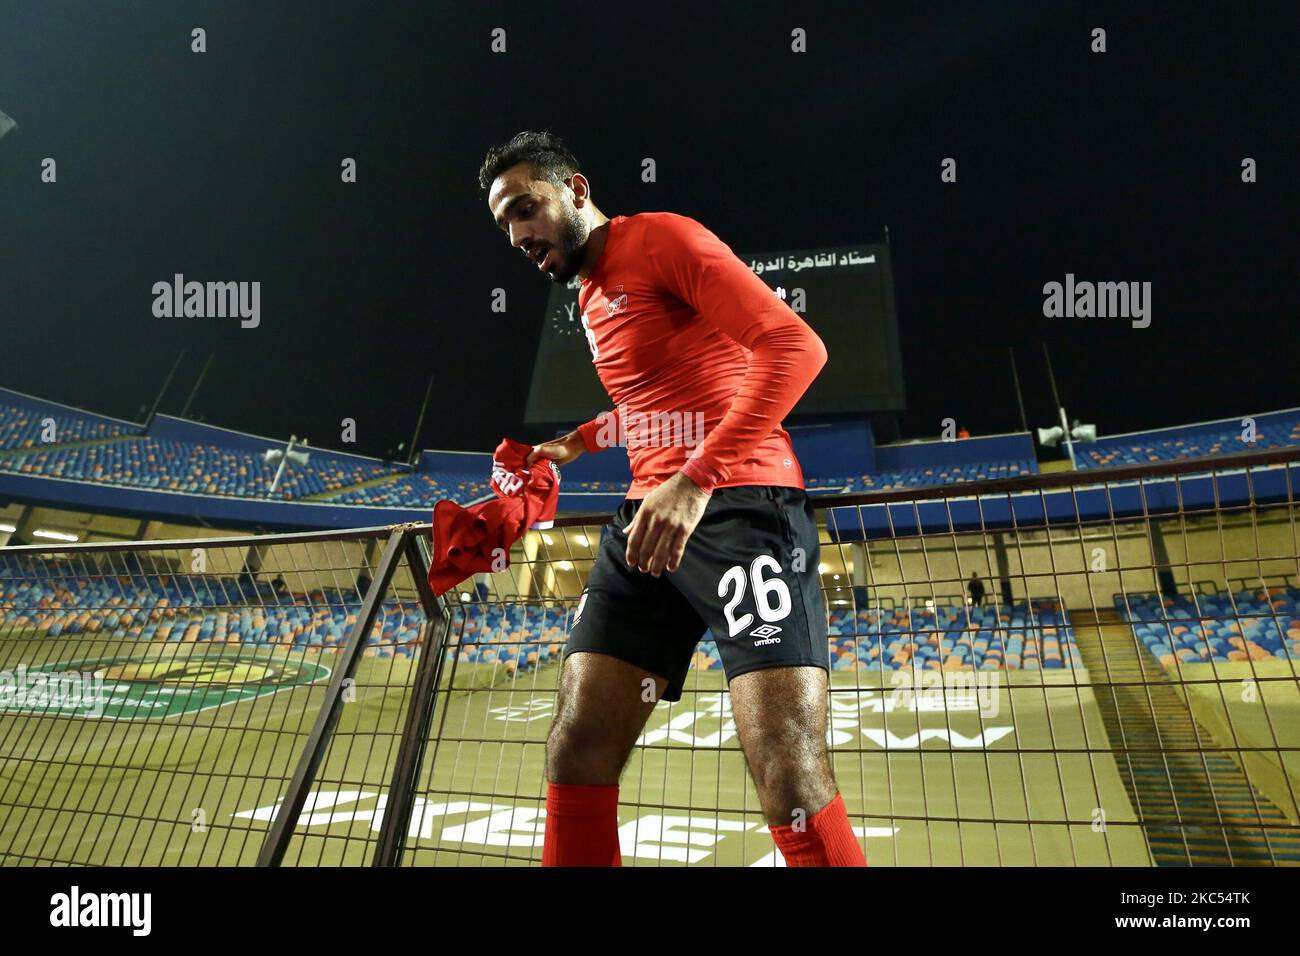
(749, 575)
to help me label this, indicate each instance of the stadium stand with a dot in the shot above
(920, 477)
(1217, 626)
(58, 597)
(108, 452)
(22, 425)
(422, 490)
(1027, 636)
(1272, 430)
(198, 469)
(417, 491)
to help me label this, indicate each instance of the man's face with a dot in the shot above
(541, 221)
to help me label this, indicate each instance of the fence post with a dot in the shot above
(286, 816)
(419, 715)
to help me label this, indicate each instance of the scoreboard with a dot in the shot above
(846, 294)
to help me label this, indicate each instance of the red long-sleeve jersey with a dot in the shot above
(701, 359)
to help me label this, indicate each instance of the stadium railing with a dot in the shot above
(1126, 694)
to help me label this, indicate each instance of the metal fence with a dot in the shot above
(1125, 693)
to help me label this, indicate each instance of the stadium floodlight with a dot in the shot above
(1081, 433)
(54, 535)
(297, 457)
(1051, 437)
(284, 457)
(8, 528)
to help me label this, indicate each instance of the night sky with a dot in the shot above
(1122, 166)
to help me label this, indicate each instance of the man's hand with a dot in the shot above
(656, 538)
(561, 451)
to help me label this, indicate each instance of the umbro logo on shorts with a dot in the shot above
(764, 634)
(582, 602)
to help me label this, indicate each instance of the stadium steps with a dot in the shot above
(1152, 718)
(67, 446)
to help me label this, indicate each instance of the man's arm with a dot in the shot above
(699, 268)
(601, 432)
(561, 450)
(590, 436)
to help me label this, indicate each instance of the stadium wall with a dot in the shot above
(436, 460)
(1015, 446)
(835, 448)
(611, 465)
(830, 448)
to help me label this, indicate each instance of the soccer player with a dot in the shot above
(702, 361)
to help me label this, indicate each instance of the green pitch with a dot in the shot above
(980, 775)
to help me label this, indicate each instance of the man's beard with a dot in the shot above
(570, 248)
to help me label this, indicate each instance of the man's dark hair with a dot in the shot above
(551, 159)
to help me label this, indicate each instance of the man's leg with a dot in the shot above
(603, 705)
(780, 715)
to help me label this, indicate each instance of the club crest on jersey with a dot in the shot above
(615, 300)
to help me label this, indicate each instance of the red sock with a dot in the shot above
(827, 839)
(581, 826)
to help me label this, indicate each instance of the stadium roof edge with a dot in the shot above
(276, 442)
(940, 441)
(451, 451)
(1212, 421)
(71, 408)
(206, 496)
(279, 442)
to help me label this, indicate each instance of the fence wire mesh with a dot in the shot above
(1120, 689)
(156, 696)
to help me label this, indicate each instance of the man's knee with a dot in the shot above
(599, 716)
(791, 783)
(584, 750)
(781, 716)
(782, 767)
